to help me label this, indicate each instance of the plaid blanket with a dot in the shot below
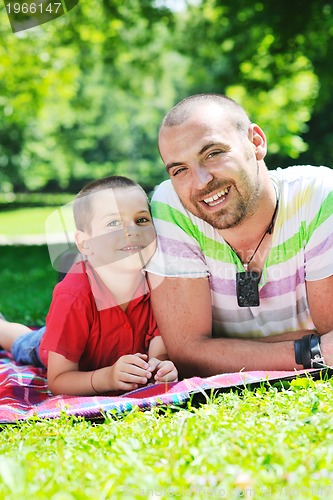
(24, 392)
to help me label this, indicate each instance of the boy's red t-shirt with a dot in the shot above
(89, 328)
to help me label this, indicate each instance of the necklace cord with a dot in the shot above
(268, 231)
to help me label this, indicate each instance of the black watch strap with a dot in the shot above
(308, 352)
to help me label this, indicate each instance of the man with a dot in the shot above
(246, 255)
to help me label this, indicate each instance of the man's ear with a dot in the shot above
(82, 240)
(258, 138)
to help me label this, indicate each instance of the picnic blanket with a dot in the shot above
(24, 392)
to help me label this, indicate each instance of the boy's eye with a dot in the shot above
(114, 223)
(142, 220)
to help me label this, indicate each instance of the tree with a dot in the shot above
(83, 96)
(272, 57)
(99, 86)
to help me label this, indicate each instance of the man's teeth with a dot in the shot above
(210, 201)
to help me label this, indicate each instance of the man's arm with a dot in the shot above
(320, 299)
(183, 310)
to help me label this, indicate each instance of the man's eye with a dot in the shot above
(212, 154)
(178, 171)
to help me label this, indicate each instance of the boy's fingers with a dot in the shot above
(131, 369)
(130, 378)
(167, 373)
(123, 386)
(166, 367)
(136, 360)
(142, 356)
(153, 364)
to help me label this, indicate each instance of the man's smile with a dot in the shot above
(217, 198)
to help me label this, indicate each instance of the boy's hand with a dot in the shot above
(163, 371)
(129, 372)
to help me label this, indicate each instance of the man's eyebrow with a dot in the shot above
(201, 152)
(211, 144)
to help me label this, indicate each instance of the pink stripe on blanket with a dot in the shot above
(24, 393)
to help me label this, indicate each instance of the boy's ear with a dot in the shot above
(82, 240)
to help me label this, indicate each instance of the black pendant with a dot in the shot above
(247, 289)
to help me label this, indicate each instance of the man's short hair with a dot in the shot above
(82, 206)
(185, 108)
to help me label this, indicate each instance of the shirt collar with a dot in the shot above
(104, 298)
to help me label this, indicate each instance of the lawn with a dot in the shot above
(27, 280)
(24, 220)
(267, 443)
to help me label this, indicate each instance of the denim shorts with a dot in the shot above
(25, 348)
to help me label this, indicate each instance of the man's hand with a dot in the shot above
(163, 371)
(327, 348)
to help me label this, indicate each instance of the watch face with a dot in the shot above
(247, 289)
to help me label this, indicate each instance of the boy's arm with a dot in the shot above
(157, 349)
(126, 374)
(163, 369)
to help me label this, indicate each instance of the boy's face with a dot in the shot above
(121, 228)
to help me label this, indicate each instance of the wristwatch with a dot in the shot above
(308, 351)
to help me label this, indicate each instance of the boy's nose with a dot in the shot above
(132, 230)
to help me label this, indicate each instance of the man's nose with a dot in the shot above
(202, 176)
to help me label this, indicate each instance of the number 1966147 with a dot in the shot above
(33, 8)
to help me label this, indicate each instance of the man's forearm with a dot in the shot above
(211, 356)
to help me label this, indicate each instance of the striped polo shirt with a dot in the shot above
(302, 250)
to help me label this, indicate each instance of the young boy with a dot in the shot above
(100, 333)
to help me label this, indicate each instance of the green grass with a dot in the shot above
(263, 444)
(24, 220)
(27, 280)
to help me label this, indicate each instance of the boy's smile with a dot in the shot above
(121, 227)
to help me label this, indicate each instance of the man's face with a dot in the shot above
(213, 167)
(121, 229)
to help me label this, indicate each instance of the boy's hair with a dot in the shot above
(82, 206)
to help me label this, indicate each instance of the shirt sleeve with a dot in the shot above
(178, 251)
(319, 234)
(153, 330)
(67, 326)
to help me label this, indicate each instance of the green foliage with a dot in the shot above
(259, 55)
(91, 107)
(83, 96)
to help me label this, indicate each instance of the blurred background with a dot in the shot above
(83, 96)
